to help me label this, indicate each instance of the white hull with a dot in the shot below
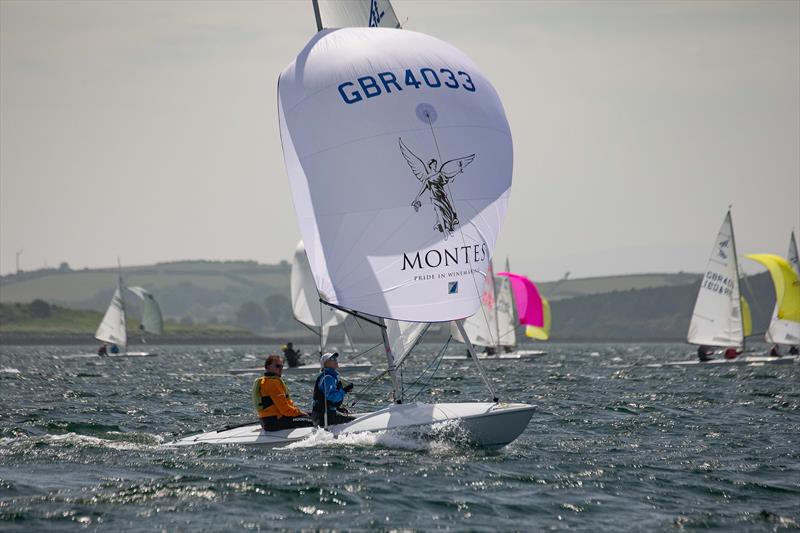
(741, 360)
(306, 369)
(109, 356)
(516, 355)
(485, 424)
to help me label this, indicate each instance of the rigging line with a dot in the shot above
(438, 360)
(461, 234)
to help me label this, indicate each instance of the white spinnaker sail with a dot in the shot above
(482, 326)
(403, 336)
(717, 316)
(305, 298)
(354, 13)
(399, 156)
(152, 321)
(785, 331)
(112, 327)
(506, 318)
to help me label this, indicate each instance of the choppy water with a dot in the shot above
(614, 445)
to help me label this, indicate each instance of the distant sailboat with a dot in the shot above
(784, 332)
(112, 330)
(718, 318)
(785, 326)
(494, 326)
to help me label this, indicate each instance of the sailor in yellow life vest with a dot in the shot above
(275, 408)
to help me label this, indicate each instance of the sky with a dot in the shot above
(148, 131)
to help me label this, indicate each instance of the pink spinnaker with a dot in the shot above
(527, 298)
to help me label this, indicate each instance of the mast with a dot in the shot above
(515, 316)
(391, 367)
(738, 279)
(496, 319)
(122, 302)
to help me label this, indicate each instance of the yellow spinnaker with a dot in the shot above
(542, 333)
(747, 320)
(787, 285)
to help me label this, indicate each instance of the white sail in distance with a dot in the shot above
(399, 156)
(354, 13)
(506, 317)
(785, 332)
(717, 316)
(306, 306)
(112, 328)
(482, 326)
(152, 321)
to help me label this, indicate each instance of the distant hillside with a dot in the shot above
(571, 288)
(200, 291)
(660, 313)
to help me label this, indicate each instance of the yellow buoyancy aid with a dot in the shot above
(271, 398)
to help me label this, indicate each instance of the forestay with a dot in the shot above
(306, 306)
(399, 156)
(152, 321)
(717, 316)
(112, 328)
(785, 331)
(355, 13)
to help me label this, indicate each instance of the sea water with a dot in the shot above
(613, 445)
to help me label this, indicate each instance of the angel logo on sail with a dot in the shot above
(435, 178)
(722, 246)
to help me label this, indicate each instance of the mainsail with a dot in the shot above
(717, 317)
(354, 13)
(112, 327)
(785, 331)
(399, 156)
(482, 326)
(307, 308)
(152, 321)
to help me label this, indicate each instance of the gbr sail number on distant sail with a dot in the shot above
(369, 87)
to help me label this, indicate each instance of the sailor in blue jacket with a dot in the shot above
(329, 392)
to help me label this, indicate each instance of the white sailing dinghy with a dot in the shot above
(399, 156)
(494, 326)
(781, 332)
(311, 313)
(721, 316)
(113, 328)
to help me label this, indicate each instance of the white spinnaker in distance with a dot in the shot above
(305, 298)
(717, 316)
(112, 327)
(506, 317)
(152, 321)
(482, 326)
(785, 331)
(374, 200)
(403, 336)
(355, 13)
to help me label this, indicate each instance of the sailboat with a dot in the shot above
(399, 156)
(528, 305)
(721, 316)
(113, 327)
(783, 332)
(494, 326)
(311, 313)
(785, 326)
